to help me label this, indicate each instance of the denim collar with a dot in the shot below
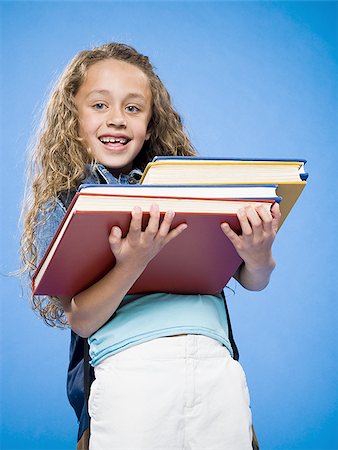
(99, 174)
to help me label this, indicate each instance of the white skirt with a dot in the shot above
(183, 392)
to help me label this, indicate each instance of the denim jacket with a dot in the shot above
(80, 374)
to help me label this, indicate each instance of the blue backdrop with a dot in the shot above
(251, 79)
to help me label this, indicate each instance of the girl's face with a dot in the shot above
(114, 105)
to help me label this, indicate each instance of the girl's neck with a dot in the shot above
(122, 171)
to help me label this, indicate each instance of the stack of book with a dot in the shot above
(203, 192)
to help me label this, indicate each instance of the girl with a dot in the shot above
(165, 373)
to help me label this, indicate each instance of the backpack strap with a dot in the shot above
(231, 337)
(86, 372)
(66, 197)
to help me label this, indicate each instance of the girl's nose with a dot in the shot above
(116, 119)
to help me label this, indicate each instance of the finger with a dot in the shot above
(266, 218)
(166, 224)
(244, 222)
(154, 220)
(230, 234)
(135, 226)
(255, 220)
(175, 232)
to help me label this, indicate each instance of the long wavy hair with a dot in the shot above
(58, 158)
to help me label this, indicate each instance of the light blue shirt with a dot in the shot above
(142, 318)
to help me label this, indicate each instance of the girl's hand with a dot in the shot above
(139, 247)
(254, 245)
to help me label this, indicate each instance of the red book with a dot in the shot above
(200, 260)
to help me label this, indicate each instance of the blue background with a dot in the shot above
(251, 79)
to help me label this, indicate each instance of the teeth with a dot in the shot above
(113, 140)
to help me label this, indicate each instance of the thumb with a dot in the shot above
(115, 237)
(230, 234)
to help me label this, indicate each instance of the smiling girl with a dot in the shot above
(165, 373)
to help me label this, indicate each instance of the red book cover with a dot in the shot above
(200, 260)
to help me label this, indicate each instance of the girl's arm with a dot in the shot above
(91, 308)
(254, 245)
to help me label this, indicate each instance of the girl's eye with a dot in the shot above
(99, 106)
(132, 108)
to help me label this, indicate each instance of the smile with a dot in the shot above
(114, 140)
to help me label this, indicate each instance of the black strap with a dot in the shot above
(231, 337)
(66, 197)
(86, 369)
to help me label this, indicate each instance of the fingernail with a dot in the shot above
(115, 231)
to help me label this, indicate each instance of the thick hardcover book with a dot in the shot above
(200, 260)
(188, 170)
(288, 174)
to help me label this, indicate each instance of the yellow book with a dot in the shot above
(288, 174)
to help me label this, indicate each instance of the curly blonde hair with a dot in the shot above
(59, 158)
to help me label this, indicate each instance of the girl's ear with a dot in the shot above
(148, 134)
